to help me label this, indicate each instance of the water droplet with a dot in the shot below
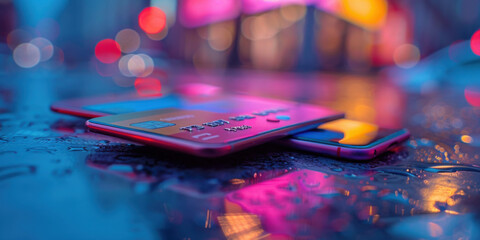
(350, 175)
(329, 194)
(127, 157)
(395, 198)
(77, 149)
(369, 188)
(451, 168)
(213, 181)
(425, 142)
(120, 168)
(390, 177)
(288, 187)
(396, 171)
(336, 169)
(8, 152)
(15, 171)
(311, 184)
(41, 149)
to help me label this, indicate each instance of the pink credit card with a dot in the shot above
(216, 128)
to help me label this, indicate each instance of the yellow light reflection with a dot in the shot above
(355, 96)
(439, 191)
(370, 14)
(355, 132)
(241, 226)
(466, 139)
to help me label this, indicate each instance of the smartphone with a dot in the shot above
(215, 127)
(349, 139)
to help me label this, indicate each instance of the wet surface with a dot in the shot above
(57, 180)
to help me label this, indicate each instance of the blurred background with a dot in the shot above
(285, 35)
(142, 44)
(397, 63)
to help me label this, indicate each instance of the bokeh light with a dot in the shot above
(466, 139)
(220, 38)
(367, 13)
(123, 65)
(475, 42)
(159, 36)
(136, 65)
(472, 96)
(58, 55)
(140, 65)
(260, 27)
(128, 39)
(169, 8)
(406, 56)
(107, 51)
(26, 55)
(197, 13)
(293, 13)
(17, 37)
(45, 47)
(152, 20)
(148, 86)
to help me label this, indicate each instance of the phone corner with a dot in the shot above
(90, 125)
(219, 150)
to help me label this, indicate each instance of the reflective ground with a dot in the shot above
(59, 181)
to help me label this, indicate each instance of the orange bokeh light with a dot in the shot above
(148, 86)
(107, 51)
(370, 14)
(152, 20)
(475, 42)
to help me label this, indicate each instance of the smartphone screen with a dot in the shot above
(344, 132)
(333, 137)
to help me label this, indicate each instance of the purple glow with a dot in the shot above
(195, 13)
(255, 6)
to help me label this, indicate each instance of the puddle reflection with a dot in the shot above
(290, 202)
